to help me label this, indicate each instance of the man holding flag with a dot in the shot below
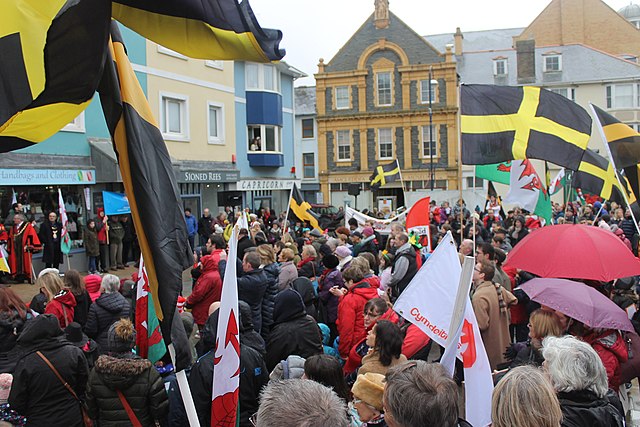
(53, 234)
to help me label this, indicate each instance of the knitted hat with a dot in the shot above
(121, 337)
(367, 231)
(369, 388)
(5, 387)
(330, 261)
(342, 252)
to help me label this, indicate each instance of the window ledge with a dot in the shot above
(265, 159)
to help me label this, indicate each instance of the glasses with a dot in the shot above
(253, 419)
(478, 270)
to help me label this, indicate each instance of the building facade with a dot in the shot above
(373, 102)
(306, 144)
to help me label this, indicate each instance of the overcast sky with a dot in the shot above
(316, 29)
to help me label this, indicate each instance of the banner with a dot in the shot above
(115, 203)
(382, 226)
(65, 240)
(429, 302)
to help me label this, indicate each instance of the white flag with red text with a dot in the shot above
(65, 240)
(429, 303)
(226, 372)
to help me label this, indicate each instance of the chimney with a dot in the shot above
(526, 61)
(381, 14)
(457, 40)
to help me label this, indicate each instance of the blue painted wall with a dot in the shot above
(76, 143)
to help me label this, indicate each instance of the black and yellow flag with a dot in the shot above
(596, 175)
(52, 53)
(624, 145)
(301, 210)
(385, 174)
(501, 123)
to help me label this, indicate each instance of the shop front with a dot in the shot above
(265, 193)
(204, 187)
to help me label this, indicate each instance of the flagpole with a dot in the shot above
(615, 170)
(460, 166)
(600, 210)
(404, 193)
(286, 218)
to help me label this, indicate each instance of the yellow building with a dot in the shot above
(194, 103)
(373, 102)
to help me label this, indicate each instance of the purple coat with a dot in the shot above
(327, 281)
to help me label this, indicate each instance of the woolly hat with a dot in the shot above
(121, 337)
(5, 387)
(330, 261)
(369, 388)
(342, 252)
(367, 231)
(315, 233)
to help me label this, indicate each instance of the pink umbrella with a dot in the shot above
(579, 302)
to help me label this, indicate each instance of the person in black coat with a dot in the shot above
(294, 332)
(252, 283)
(123, 371)
(50, 234)
(37, 393)
(304, 287)
(110, 307)
(272, 272)
(205, 226)
(244, 242)
(10, 328)
(253, 376)
(248, 334)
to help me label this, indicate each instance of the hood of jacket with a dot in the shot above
(288, 305)
(209, 263)
(65, 297)
(246, 319)
(42, 332)
(210, 330)
(272, 271)
(364, 290)
(113, 303)
(120, 372)
(326, 333)
(612, 341)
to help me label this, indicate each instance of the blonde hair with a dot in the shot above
(525, 398)
(286, 237)
(309, 250)
(52, 283)
(267, 254)
(288, 254)
(544, 323)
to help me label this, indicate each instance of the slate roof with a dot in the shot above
(474, 41)
(305, 100)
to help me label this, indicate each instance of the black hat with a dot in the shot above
(357, 234)
(75, 335)
(330, 261)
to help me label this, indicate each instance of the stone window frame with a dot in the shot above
(379, 143)
(340, 143)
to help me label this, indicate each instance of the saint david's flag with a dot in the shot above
(385, 174)
(501, 123)
(301, 209)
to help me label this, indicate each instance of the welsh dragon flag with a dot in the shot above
(226, 372)
(149, 342)
(65, 240)
(558, 182)
(527, 190)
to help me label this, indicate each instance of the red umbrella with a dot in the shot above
(574, 252)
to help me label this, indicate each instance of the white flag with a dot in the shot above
(429, 303)
(226, 372)
(525, 185)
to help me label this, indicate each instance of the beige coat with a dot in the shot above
(493, 322)
(371, 363)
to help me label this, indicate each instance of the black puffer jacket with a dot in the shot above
(81, 311)
(138, 381)
(304, 287)
(251, 287)
(105, 311)
(248, 335)
(10, 328)
(36, 391)
(253, 376)
(583, 408)
(272, 272)
(294, 332)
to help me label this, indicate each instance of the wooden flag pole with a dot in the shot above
(460, 166)
(286, 218)
(404, 193)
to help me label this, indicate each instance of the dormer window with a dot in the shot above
(552, 63)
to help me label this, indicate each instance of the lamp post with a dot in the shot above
(431, 171)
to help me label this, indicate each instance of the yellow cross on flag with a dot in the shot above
(385, 174)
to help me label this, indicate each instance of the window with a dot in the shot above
(479, 182)
(215, 122)
(429, 145)
(552, 63)
(342, 97)
(262, 77)
(623, 96)
(424, 91)
(174, 117)
(218, 65)
(265, 138)
(76, 125)
(344, 145)
(308, 165)
(307, 128)
(567, 92)
(385, 143)
(383, 84)
(500, 67)
(167, 51)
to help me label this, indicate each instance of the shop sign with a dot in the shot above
(266, 184)
(47, 176)
(199, 176)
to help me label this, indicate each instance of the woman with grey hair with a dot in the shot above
(580, 380)
(110, 307)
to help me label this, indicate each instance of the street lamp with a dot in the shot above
(431, 82)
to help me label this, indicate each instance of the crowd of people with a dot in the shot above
(320, 342)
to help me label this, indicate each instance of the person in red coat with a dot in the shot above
(23, 241)
(350, 320)
(612, 350)
(61, 302)
(206, 291)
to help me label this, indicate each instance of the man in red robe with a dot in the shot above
(23, 242)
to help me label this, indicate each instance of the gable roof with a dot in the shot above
(474, 41)
(417, 49)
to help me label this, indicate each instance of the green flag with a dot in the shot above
(497, 172)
